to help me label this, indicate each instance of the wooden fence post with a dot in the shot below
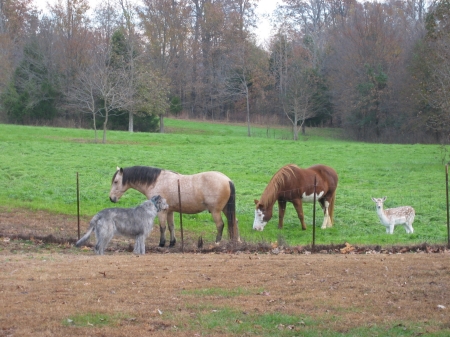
(314, 217)
(78, 206)
(446, 193)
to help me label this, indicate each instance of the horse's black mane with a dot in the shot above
(140, 174)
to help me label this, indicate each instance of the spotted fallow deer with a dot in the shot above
(395, 216)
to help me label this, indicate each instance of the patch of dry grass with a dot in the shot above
(153, 293)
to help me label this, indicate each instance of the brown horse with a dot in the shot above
(212, 191)
(294, 184)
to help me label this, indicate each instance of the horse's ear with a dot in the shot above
(256, 201)
(121, 170)
(117, 168)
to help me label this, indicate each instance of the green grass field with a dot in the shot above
(39, 166)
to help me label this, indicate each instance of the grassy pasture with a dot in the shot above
(39, 167)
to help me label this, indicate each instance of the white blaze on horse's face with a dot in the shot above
(259, 223)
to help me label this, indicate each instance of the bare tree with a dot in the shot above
(102, 88)
(84, 94)
(297, 98)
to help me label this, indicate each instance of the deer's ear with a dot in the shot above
(384, 198)
(373, 199)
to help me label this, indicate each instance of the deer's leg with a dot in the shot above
(281, 211)
(299, 208)
(409, 228)
(391, 229)
(410, 222)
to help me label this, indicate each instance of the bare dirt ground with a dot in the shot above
(44, 286)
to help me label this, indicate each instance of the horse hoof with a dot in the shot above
(172, 243)
(162, 243)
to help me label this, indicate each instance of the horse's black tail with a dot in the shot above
(233, 231)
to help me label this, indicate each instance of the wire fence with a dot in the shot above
(354, 211)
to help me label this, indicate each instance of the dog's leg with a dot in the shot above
(104, 233)
(139, 245)
(98, 236)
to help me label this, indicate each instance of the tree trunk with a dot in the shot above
(161, 123)
(248, 112)
(95, 128)
(104, 132)
(130, 121)
(106, 122)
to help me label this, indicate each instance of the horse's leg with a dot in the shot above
(219, 224)
(326, 216)
(170, 222)
(299, 208)
(162, 217)
(281, 211)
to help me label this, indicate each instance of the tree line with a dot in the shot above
(379, 70)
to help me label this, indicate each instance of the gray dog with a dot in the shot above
(134, 222)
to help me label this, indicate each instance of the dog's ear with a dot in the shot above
(156, 199)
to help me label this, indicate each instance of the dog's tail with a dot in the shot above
(88, 233)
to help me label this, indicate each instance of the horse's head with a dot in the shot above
(262, 216)
(117, 188)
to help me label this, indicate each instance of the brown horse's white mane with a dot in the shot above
(269, 195)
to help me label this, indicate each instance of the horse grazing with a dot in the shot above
(212, 191)
(296, 185)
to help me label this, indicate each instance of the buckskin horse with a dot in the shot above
(212, 191)
(296, 185)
